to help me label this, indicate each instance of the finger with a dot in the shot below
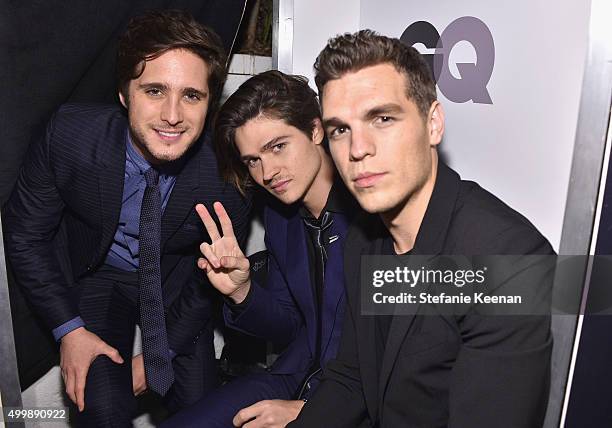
(69, 380)
(226, 223)
(204, 265)
(209, 223)
(111, 353)
(79, 388)
(240, 263)
(246, 414)
(255, 423)
(207, 252)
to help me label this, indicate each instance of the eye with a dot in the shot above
(154, 92)
(193, 96)
(338, 132)
(383, 120)
(251, 163)
(278, 147)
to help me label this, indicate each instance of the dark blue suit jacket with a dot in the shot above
(64, 209)
(284, 310)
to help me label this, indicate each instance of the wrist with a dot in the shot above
(240, 293)
(73, 333)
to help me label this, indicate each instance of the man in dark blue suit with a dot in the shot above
(269, 132)
(101, 228)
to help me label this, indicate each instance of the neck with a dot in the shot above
(404, 221)
(317, 194)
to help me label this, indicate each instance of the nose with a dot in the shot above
(361, 144)
(269, 170)
(172, 111)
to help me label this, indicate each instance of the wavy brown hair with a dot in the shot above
(271, 94)
(150, 35)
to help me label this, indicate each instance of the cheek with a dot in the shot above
(197, 116)
(339, 154)
(255, 174)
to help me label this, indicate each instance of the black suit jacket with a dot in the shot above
(471, 371)
(64, 209)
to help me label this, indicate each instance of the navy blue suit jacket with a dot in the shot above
(284, 310)
(64, 209)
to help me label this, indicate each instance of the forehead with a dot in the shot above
(359, 91)
(259, 131)
(177, 67)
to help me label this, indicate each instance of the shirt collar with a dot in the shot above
(338, 200)
(135, 157)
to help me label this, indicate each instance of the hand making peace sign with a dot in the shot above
(224, 262)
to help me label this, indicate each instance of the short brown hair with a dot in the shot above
(271, 94)
(352, 52)
(150, 35)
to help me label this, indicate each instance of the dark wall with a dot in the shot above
(590, 402)
(54, 51)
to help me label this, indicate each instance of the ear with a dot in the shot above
(435, 123)
(123, 100)
(317, 132)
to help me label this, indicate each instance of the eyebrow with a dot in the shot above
(164, 87)
(390, 108)
(265, 147)
(202, 94)
(333, 122)
(153, 85)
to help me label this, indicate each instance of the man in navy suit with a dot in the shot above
(269, 132)
(73, 223)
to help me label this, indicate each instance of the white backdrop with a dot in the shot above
(519, 147)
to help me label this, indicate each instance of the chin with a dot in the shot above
(374, 204)
(286, 199)
(169, 155)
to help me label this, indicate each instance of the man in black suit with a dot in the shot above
(101, 228)
(384, 123)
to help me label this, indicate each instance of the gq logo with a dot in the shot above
(474, 77)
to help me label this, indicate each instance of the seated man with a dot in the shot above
(384, 123)
(100, 179)
(269, 132)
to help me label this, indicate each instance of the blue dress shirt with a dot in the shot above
(123, 253)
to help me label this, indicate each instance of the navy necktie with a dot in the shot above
(319, 231)
(156, 353)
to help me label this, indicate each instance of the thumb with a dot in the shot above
(231, 262)
(112, 353)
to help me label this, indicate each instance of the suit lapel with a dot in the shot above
(110, 183)
(364, 230)
(298, 275)
(400, 324)
(334, 280)
(183, 197)
(429, 241)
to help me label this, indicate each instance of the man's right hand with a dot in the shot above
(78, 349)
(224, 262)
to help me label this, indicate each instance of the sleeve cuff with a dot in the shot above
(67, 327)
(237, 308)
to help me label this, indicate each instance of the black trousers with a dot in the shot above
(108, 304)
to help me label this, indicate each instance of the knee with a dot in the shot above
(109, 400)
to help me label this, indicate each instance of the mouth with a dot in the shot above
(169, 134)
(280, 186)
(367, 179)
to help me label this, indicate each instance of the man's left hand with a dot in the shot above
(139, 382)
(268, 414)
